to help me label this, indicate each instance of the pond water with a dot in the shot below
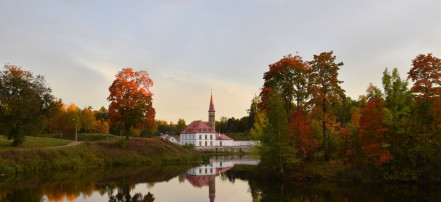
(229, 178)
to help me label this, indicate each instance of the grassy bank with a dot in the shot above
(107, 153)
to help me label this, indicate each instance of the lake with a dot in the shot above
(230, 178)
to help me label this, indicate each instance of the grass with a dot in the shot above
(83, 136)
(239, 136)
(93, 154)
(33, 142)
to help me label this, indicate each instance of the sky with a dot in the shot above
(191, 48)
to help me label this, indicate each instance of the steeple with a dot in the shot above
(211, 109)
(211, 115)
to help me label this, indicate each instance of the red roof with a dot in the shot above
(198, 127)
(211, 109)
(222, 137)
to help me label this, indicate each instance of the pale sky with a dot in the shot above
(192, 46)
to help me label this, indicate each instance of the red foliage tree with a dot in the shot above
(372, 134)
(302, 133)
(131, 100)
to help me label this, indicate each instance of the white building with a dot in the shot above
(203, 134)
(170, 138)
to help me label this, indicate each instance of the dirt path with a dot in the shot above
(74, 143)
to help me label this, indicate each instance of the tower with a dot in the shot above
(211, 116)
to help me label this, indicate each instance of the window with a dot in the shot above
(211, 137)
(205, 143)
(211, 143)
(221, 164)
(220, 143)
(205, 136)
(200, 136)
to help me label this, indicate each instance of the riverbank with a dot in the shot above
(107, 153)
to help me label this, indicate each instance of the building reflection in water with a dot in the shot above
(205, 175)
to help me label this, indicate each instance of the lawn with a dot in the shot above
(33, 142)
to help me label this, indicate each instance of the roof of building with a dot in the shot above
(222, 137)
(198, 127)
(211, 109)
(167, 137)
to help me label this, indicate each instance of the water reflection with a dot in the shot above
(221, 179)
(205, 175)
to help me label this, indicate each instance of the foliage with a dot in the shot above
(259, 127)
(302, 134)
(372, 132)
(131, 101)
(290, 76)
(25, 101)
(276, 151)
(326, 90)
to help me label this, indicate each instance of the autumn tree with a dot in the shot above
(290, 76)
(302, 134)
(131, 101)
(54, 112)
(325, 88)
(25, 100)
(260, 124)
(426, 75)
(87, 119)
(372, 134)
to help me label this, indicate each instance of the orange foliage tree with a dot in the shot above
(325, 89)
(426, 75)
(131, 100)
(289, 76)
(372, 134)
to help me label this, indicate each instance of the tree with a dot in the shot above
(180, 126)
(372, 134)
(260, 124)
(426, 75)
(87, 119)
(302, 133)
(325, 88)
(399, 102)
(276, 151)
(24, 102)
(131, 101)
(289, 75)
(252, 111)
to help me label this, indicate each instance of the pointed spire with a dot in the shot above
(211, 109)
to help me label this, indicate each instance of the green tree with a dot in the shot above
(276, 151)
(325, 88)
(252, 111)
(180, 126)
(25, 100)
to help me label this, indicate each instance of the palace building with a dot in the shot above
(203, 134)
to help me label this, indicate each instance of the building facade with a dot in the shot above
(203, 134)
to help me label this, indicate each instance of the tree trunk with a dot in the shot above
(325, 142)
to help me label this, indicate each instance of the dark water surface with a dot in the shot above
(221, 179)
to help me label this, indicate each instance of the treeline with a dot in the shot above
(66, 119)
(303, 115)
